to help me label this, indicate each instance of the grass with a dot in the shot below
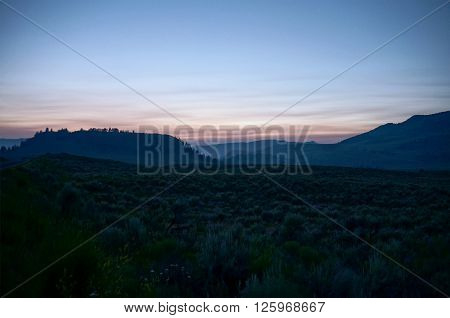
(221, 235)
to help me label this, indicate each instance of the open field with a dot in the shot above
(221, 235)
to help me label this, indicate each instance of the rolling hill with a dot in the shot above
(112, 144)
(421, 142)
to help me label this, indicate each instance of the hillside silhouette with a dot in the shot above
(112, 144)
(421, 142)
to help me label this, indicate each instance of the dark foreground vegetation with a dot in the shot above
(221, 235)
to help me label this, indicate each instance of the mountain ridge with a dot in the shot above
(420, 142)
(130, 147)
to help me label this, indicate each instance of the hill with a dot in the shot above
(8, 142)
(421, 142)
(112, 144)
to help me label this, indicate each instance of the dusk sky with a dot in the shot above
(221, 63)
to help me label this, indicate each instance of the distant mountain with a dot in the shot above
(415, 130)
(149, 149)
(421, 142)
(8, 143)
(228, 150)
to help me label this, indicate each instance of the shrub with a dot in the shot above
(113, 239)
(136, 230)
(292, 228)
(309, 256)
(69, 199)
(273, 284)
(224, 259)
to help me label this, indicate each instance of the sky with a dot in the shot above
(221, 63)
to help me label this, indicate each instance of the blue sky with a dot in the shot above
(221, 63)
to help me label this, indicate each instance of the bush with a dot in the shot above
(273, 284)
(293, 227)
(113, 239)
(69, 199)
(136, 230)
(224, 259)
(309, 256)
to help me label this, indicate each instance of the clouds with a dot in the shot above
(221, 64)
